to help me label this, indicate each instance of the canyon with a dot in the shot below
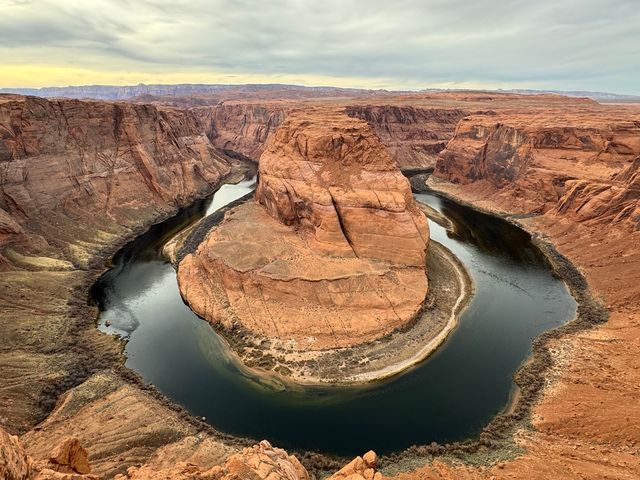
(81, 178)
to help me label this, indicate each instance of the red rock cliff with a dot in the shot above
(243, 128)
(331, 175)
(414, 136)
(581, 164)
(78, 172)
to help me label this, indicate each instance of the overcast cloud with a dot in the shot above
(570, 44)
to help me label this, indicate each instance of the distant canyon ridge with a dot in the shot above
(224, 91)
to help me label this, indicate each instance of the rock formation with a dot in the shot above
(73, 171)
(260, 462)
(242, 127)
(414, 136)
(580, 164)
(332, 253)
(330, 176)
(68, 461)
(15, 464)
(360, 468)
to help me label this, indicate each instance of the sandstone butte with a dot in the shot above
(566, 169)
(332, 251)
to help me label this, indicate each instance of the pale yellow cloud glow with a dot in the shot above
(46, 75)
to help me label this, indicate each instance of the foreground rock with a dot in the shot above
(333, 252)
(15, 464)
(260, 462)
(360, 468)
(67, 461)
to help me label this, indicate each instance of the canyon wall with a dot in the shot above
(570, 177)
(242, 127)
(332, 254)
(414, 136)
(582, 165)
(75, 172)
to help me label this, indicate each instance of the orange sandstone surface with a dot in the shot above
(331, 253)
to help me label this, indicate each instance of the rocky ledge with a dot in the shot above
(68, 460)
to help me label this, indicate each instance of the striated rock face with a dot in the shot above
(66, 165)
(414, 136)
(243, 128)
(616, 201)
(330, 176)
(77, 179)
(333, 252)
(584, 165)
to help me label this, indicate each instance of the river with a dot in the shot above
(448, 397)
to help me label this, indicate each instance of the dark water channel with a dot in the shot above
(449, 397)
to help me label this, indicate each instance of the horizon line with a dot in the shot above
(319, 86)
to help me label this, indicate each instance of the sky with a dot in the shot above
(394, 44)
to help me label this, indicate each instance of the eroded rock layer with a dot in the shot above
(68, 165)
(333, 252)
(330, 176)
(414, 136)
(582, 165)
(68, 460)
(242, 127)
